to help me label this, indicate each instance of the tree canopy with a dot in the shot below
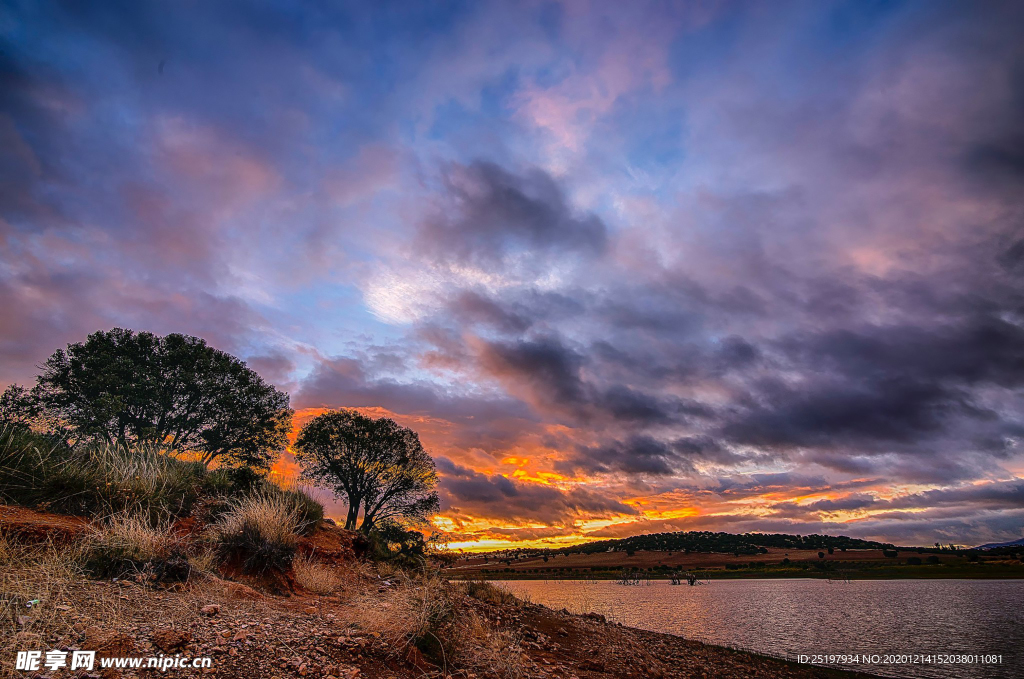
(125, 387)
(379, 467)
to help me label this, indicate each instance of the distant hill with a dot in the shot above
(706, 541)
(996, 545)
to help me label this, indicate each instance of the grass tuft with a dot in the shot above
(316, 577)
(262, 529)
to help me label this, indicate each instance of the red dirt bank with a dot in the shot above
(250, 634)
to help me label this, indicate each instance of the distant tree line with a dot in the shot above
(707, 541)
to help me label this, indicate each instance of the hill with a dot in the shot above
(997, 545)
(706, 542)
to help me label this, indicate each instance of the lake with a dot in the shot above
(790, 617)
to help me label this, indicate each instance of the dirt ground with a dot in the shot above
(359, 630)
(253, 635)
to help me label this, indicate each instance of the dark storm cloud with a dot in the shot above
(345, 382)
(546, 372)
(491, 214)
(645, 455)
(501, 498)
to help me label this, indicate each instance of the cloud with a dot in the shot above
(491, 217)
(700, 259)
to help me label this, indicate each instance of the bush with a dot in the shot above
(914, 561)
(389, 541)
(37, 470)
(933, 559)
(485, 591)
(98, 480)
(130, 545)
(262, 529)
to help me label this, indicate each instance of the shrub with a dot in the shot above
(318, 578)
(914, 561)
(130, 545)
(262, 529)
(485, 591)
(306, 509)
(411, 613)
(38, 471)
(933, 559)
(390, 542)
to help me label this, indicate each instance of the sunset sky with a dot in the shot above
(625, 267)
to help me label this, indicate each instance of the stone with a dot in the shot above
(210, 609)
(168, 640)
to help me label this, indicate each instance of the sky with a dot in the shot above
(626, 267)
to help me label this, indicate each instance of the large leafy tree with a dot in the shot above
(126, 387)
(377, 466)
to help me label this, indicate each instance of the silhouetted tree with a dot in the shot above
(379, 467)
(124, 387)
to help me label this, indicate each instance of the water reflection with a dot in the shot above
(791, 617)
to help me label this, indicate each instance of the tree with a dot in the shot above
(124, 387)
(19, 407)
(379, 467)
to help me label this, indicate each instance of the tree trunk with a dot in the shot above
(353, 514)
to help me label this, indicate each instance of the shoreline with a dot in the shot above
(497, 577)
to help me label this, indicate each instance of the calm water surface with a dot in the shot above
(790, 617)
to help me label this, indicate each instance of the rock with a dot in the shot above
(310, 610)
(168, 640)
(210, 609)
(303, 669)
(240, 635)
(596, 616)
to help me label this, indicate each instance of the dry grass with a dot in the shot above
(129, 544)
(489, 592)
(484, 647)
(432, 614)
(405, 613)
(262, 528)
(132, 535)
(34, 582)
(318, 578)
(204, 560)
(271, 516)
